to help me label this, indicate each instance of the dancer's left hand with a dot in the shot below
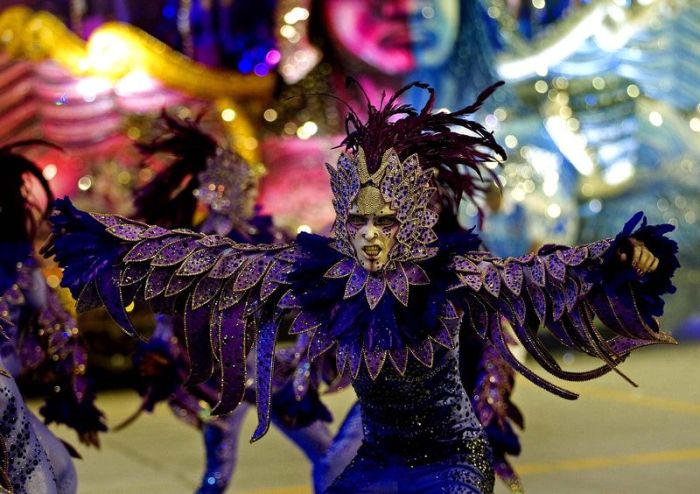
(640, 257)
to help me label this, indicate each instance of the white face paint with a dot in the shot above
(372, 235)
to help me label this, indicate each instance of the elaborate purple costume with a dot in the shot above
(387, 295)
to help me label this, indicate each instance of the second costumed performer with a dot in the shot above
(386, 293)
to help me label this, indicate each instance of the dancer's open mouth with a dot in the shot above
(372, 250)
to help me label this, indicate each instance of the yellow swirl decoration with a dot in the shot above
(241, 132)
(114, 50)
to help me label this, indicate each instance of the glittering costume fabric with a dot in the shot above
(394, 330)
(40, 336)
(28, 468)
(422, 429)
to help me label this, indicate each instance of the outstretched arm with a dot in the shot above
(620, 281)
(225, 292)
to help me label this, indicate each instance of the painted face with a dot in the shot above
(395, 36)
(372, 233)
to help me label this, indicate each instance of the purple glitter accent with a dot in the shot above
(537, 272)
(289, 301)
(478, 317)
(406, 210)
(415, 274)
(399, 358)
(374, 289)
(88, 299)
(156, 282)
(341, 358)
(426, 195)
(428, 218)
(267, 287)
(491, 279)
(176, 252)
(426, 236)
(146, 249)
(539, 302)
(206, 289)
(108, 220)
(513, 276)
(232, 360)
(279, 272)
(267, 336)
(357, 281)
(289, 255)
(558, 305)
(578, 255)
(406, 233)
(341, 269)
(570, 293)
(304, 322)
(473, 281)
(177, 284)
(229, 297)
(598, 248)
(355, 359)
(443, 335)
(464, 265)
(227, 265)
(374, 361)
(398, 284)
(252, 272)
(451, 325)
(320, 343)
(214, 241)
(133, 273)
(449, 311)
(155, 232)
(130, 233)
(556, 268)
(519, 309)
(423, 351)
(623, 346)
(198, 263)
(198, 344)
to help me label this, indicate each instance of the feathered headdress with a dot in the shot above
(18, 209)
(168, 199)
(458, 148)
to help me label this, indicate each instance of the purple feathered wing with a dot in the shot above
(226, 292)
(565, 289)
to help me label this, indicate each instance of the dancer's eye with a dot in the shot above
(389, 220)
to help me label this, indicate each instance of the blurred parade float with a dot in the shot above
(601, 113)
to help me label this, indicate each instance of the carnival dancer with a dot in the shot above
(385, 295)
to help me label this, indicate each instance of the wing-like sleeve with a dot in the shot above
(564, 289)
(72, 401)
(226, 292)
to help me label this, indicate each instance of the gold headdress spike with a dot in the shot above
(369, 198)
(376, 177)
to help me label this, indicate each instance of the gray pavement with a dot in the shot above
(614, 439)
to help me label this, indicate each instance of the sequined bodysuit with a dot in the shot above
(416, 424)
